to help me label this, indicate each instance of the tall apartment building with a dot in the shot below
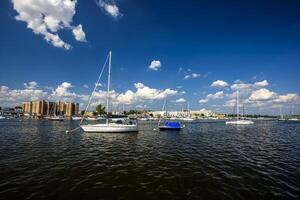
(47, 108)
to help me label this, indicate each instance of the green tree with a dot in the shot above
(82, 112)
(100, 110)
(18, 107)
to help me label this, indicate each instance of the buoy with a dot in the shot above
(67, 131)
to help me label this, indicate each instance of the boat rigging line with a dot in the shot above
(91, 96)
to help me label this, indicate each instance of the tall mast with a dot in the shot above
(237, 105)
(108, 86)
(189, 114)
(166, 107)
(54, 109)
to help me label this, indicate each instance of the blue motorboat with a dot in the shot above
(170, 126)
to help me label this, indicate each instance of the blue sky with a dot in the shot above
(195, 42)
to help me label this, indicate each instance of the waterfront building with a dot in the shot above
(46, 108)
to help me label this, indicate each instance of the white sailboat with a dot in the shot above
(109, 127)
(239, 121)
(188, 117)
(293, 118)
(1, 117)
(91, 118)
(76, 118)
(55, 117)
(281, 116)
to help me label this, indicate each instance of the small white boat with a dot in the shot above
(282, 119)
(1, 117)
(56, 118)
(294, 119)
(188, 119)
(239, 121)
(109, 128)
(143, 119)
(91, 118)
(75, 118)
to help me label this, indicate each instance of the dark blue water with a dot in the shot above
(38, 160)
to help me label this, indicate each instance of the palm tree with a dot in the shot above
(100, 110)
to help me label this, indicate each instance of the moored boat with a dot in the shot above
(173, 125)
(239, 121)
(294, 119)
(176, 126)
(76, 118)
(188, 117)
(108, 127)
(91, 118)
(55, 118)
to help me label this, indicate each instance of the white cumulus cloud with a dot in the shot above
(144, 93)
(63, 93)
(78, 33)
(217, 95)
(47, 17)
(110, 8)
(181, 100)
(155, 65)
(262, 95)
(85, 86)
(263, 83)
(12, 97)
(193, 75)
(241, 86)
(31, 85)
(291, 97)
(219, 84)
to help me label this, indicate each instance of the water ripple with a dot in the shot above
(204, 161)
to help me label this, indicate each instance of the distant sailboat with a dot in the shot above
(109, 127)
(76, 118)
(281, 116)
(188, 117)
(239, 121)
(91, 118)
(55, 117)
(293, 118)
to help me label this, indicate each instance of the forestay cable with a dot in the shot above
(91, 96)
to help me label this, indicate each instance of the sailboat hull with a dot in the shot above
(187, 119)
(240, 122)
(294, 119)
(110, 128)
